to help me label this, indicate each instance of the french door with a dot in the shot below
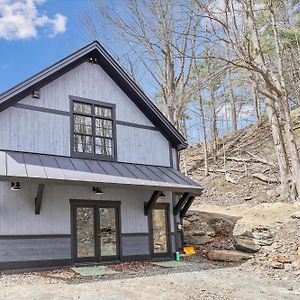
(159, 221)
(95, 231)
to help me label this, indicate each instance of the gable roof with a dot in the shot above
(114, 70)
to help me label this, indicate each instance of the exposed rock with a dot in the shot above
(262, 233)
(199, 233)
(295, 215)
(198, 240)
(186, 222)
(193, 218)
(227, 255)
(246, 245)
(283, 259)
(277, 265)
(264, 242)
(221, 226)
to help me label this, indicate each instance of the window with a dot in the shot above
(93, 129)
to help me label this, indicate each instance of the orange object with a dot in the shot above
(189, 250)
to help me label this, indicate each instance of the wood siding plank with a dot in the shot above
(135, 245)
(2, 163)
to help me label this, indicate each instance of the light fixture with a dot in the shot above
(162, 195)
(97, 190)
(93, 60)
(15, 186)
(36, 94)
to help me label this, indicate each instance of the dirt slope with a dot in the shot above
(248, 152)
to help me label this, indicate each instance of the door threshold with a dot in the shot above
(102, 263)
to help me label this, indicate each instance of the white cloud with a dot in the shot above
(21, 19)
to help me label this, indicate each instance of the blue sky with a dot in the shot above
(39, 34)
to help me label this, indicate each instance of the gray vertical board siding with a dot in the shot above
(17, 211)
(135, 245)
(17, 208)
(2, 163)
(88, 81)
(32, 131)
(41, 132)
(142, 146)
(34, 249)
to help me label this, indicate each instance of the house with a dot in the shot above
(88, 168)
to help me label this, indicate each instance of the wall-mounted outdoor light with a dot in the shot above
(15, 186)
(97, 190)
(36, 94)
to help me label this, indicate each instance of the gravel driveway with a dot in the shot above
(220, 283)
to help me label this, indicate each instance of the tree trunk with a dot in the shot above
(234, 126)
(280, 150)
(202, 119)
(283, 100)
(256, 99)
(213, 126)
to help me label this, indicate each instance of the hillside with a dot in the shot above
(244, 155)
(239, 212)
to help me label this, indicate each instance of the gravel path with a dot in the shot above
(237, 282)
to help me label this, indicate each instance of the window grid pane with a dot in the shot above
(103, 146)
(92, 134)
(103, 112)
(103, 128)
(82, 124)
(83, 143)
(82, 108)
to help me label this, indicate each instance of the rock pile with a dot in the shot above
(276, 248)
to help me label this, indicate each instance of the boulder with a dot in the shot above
(262, 233)
(246, 245)
(186, 223)
(199, 233)
(199, 240)
(295, 215)
(227, 255)
(221, 226)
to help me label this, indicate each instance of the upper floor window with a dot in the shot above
(93, 129)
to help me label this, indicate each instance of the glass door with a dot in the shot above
(159, 231)
(95, 231)
(85, 233)
(108, 233)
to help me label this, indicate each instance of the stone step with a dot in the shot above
(228, 255)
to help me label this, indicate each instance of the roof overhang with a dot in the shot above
(50, 169)
(114, 70)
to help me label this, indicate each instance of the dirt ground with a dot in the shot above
(237, 282)
(262, 214)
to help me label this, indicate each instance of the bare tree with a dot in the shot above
(236, 27)
(161, 37)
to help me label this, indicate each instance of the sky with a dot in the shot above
(35, 34)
